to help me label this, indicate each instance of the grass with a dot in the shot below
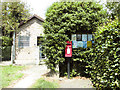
(41, 83)
(9, 74)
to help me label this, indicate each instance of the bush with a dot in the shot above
(104, 59)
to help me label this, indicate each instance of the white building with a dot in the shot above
(27, 48)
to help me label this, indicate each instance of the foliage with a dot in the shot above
(6, 53)
(65, 18)
(12, 14)
(41, 83)
(104, 58)
(113, 9)
(9, 74)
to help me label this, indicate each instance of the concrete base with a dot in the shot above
(29, 62)
(25, 62)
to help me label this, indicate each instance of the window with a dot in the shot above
(23, 41)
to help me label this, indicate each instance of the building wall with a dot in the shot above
(32, 28)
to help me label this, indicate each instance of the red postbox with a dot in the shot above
(68, 49)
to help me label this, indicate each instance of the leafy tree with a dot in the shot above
(65, 18)
(113, 9)
(12, 14)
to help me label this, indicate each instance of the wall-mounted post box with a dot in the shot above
(68, 49)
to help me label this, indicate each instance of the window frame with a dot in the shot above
(23, 41)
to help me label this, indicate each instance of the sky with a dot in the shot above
(39, 7)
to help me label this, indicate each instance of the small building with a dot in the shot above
(27, 48)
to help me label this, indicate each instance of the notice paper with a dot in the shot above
(84, 44)
(80, 44)
(89, 37)
(89, 44)
(74, 44)
(79, 37)
(84, 37)
(73, 37)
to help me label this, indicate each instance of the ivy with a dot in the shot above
(63, 19)
(104, 58)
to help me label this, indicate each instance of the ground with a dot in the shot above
(35, 72)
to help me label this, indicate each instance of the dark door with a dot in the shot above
(39, 43)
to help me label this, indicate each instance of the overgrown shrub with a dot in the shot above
(64, 19)
(104, 59)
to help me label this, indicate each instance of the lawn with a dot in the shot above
(9, 74)
(41, 83)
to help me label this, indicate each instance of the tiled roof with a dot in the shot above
(30, 18)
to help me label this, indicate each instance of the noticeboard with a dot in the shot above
(82, 40)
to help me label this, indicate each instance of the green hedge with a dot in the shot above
(104, 59)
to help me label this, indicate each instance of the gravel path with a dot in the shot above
(76, 83)
(31, 75)
(35, 72)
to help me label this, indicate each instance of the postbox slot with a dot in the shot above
(68, 44)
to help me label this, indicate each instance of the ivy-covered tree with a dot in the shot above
(65, 18)
(12, 14)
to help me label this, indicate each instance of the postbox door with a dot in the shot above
(68, 49)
